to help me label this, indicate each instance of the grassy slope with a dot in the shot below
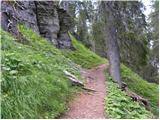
(33, 83)
(141, 87)
(118, 105)
(42, 72)
(83, 56)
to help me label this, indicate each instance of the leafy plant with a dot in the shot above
(119, 106)
(140, 86)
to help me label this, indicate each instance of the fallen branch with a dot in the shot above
(138, 98)
(69, 74)
(135, 97)
(73, 79)
(89, 90)
(77, 82)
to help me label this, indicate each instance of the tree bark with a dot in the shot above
(111, 39)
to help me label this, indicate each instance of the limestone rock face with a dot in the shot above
(66, 23)
(18, 12)
(44, 17)
(47, 19)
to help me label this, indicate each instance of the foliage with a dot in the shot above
(83, 11)
(99, 37)
(119, 106)
(141, 87)
(154, 20)
(137, 54)
(33, 83)
(83, 56)
(151, 72)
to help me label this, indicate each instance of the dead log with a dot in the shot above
(73, 79)
(135, 97)
(77, 82)
(69, 74)
(138, 98)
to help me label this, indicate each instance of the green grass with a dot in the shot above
(142, 87)
(33, 84)
(83, 56)
(119, 106)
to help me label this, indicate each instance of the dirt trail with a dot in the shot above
(89, 105)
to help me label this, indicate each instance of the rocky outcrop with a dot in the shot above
(48, 20)
(19, 12)
(66, 23)
(44, 17)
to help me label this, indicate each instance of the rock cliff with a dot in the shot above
(44, 17)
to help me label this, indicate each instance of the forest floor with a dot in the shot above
(89, 105)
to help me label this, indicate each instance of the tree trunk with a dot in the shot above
(111, 39)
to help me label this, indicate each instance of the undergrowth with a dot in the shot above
(83, 56)
(33, 84)
(119, 106)
(142, 87)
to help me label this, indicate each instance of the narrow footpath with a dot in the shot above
(89, 105)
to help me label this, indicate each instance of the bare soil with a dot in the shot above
(89, 105)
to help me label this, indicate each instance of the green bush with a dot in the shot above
(142, 87)
(119, 106)
(33, 84)
(83, 56)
